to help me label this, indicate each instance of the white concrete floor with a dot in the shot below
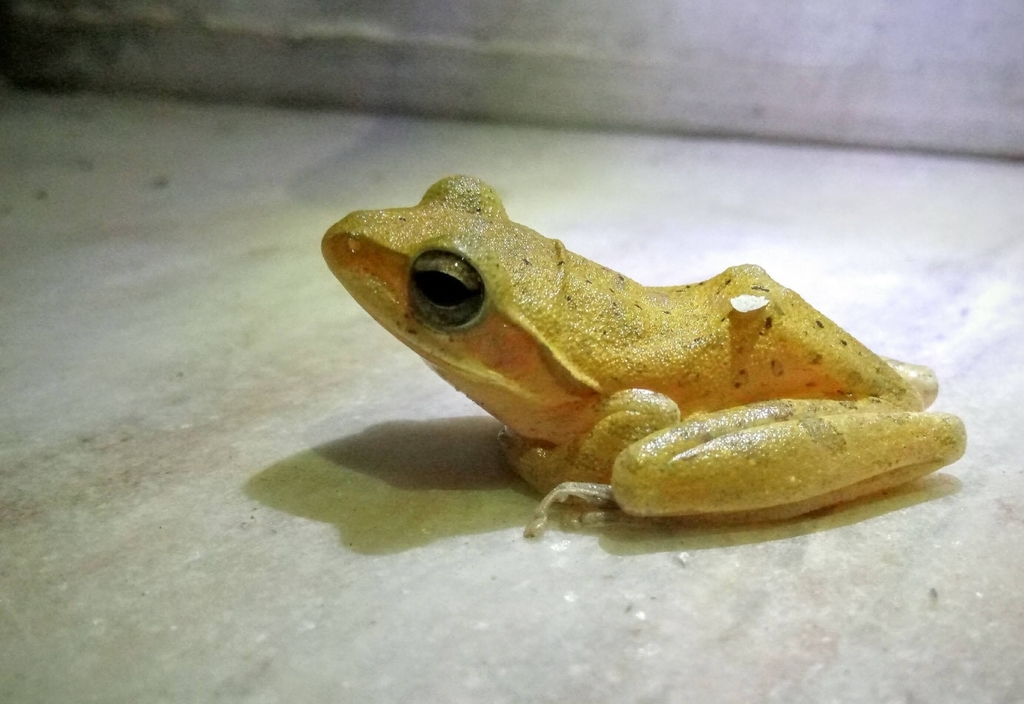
(221, 481)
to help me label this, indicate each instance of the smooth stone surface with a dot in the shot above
(221, 481)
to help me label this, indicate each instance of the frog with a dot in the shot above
(727, 399)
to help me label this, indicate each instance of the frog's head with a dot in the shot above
(420, 267)
(461, 284)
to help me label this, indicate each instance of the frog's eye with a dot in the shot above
(445, 291)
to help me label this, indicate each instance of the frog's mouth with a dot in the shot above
(375, 297)
(460, 369)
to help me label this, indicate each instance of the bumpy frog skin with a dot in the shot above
(730, 398)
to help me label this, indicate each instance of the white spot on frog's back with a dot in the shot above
(747, 303)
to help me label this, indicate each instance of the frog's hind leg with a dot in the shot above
(781, 459)
(918, 377)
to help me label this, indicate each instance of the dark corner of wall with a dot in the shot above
(33, 51)
(5, 38)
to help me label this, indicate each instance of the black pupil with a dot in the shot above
(445, 290)
(442, 289)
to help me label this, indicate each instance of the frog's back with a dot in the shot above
(742, 337)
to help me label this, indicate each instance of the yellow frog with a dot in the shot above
(728, 398)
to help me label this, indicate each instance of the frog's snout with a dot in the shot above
(348, 225)
(341, 240)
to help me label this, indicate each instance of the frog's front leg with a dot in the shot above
(582, 469)
(779, 459)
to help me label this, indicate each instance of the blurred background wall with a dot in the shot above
(945, 75)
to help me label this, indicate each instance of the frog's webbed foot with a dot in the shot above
(599, 495)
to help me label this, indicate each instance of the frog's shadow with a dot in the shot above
(403, 484)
